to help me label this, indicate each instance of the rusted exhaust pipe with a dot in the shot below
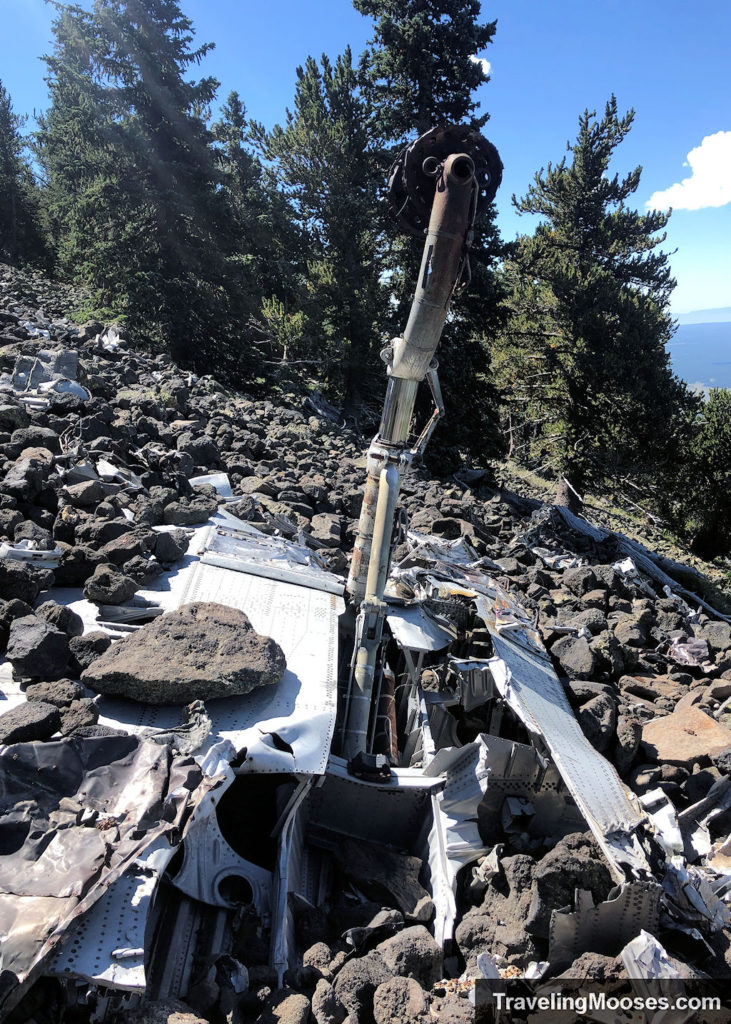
(441, 262)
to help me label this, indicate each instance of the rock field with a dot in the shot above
(649, 675)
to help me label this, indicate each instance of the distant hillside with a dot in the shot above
(706, 316)
(701, 353)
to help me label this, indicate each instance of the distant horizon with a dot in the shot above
(713, 315)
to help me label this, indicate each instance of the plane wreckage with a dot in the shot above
(417, 721)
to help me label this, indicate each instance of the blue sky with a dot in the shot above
(668, 59)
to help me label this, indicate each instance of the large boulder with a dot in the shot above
(198, 652)
(686, 737)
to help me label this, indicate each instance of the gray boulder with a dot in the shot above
(37, 649)
(399, 1001)
(574, 656)
(29, 721)
(198, 652)
(389, 876)
(357, 982)
(109, 586)
(77, 715)
(24, 582)
(85, 494)
(61, 693)
(413, 953)
(86, 649)
(574, 863)
(61, 617)
(171, 546)
(598, 720)
(326, 1007)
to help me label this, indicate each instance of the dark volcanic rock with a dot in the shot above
(29, 721)
(60, 694)
(27, 476)
(61, 617)
(400, 1001)
(575, 862)
(357, 982)
(86, 649)
(598, 719)
(77, 565)
(28, 530)
(199, 651)
(21, 581)
(79, 714)
(109, 586)
(85, 494)
(36, 649)
(574, 656)
(413, 953)
(171, 546)
(384, 874)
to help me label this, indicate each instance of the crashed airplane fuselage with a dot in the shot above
(418, 720)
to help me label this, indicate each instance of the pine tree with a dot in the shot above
(324, 162)
(22, 235)
(422, 67)
(266, 247)
(590, 316)
(133, 177)
(697, 497)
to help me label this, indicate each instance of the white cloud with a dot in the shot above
(709, 183)
(484, 64)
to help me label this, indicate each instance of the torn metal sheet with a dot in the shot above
(690, 652)
(75, 815)
(517, 770)
(24, 551)
(690, 898)
(476, 685)
(525, 678)
(436, 549)
(110, 473)
(662, 814)
(454, 839)
(106, 946)
(270, 557)
(414, 628)
(694, 820)
(209, 861)
(646, 961)
(604, 927)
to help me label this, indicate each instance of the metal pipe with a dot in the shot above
(372, 615)
(381, 550)
(444, 252)
(440, 265)
(450, 221)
